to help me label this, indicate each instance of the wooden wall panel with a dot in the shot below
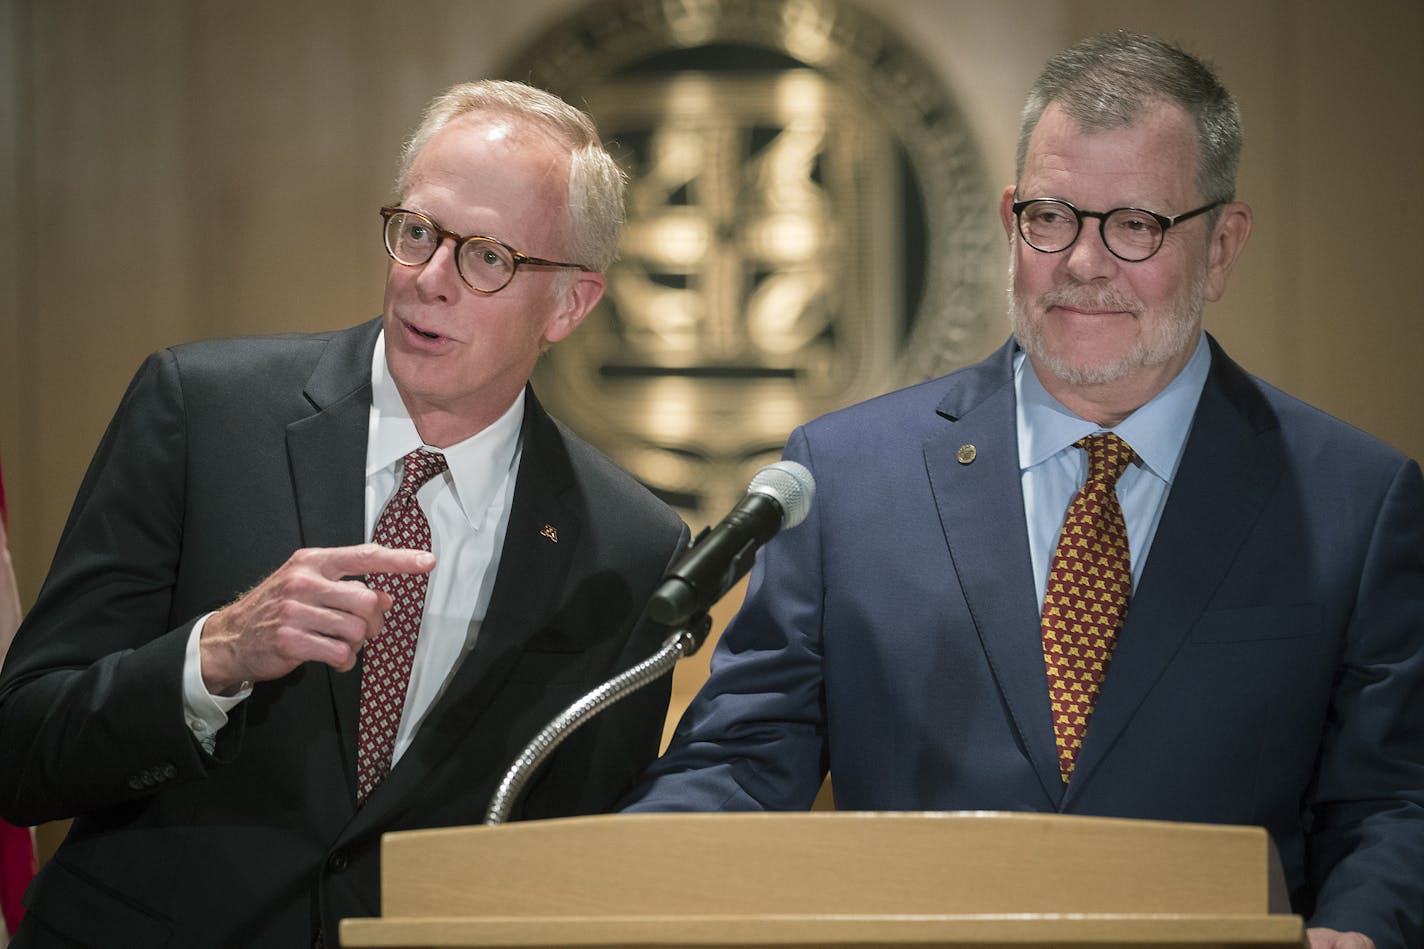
(1359, 102)
(291, 232)
(104, 268)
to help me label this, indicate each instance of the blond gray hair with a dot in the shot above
(595, 181)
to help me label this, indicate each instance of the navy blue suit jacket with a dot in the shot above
(1270, 672)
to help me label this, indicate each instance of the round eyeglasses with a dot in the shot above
(485, 264)
(1051, 225)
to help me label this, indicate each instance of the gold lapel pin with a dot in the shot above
(549, 531)
(967, 454)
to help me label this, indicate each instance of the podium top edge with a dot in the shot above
(899, 819)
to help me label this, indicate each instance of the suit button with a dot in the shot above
(168, 772)
(337, 862)
(136, 782)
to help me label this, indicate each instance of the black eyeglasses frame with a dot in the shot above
(1165, 222)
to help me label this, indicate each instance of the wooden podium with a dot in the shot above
(832, 879)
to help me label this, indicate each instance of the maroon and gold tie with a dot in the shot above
(386, 659)
(1089, 585)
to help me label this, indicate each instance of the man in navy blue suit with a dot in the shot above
(1271, 664)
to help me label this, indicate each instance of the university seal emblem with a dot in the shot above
(809, 225)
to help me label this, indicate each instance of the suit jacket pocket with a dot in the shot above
(90, 914)
(1255, 623)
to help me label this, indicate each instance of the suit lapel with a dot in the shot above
(529, 585)
(1227, 473)
(538, 548)
(980, 504)
(327, 454)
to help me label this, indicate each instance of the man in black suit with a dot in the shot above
(205, 739)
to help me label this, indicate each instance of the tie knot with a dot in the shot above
(1108, 457)
(420, 466)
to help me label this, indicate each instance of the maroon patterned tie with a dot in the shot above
(1089, 584)
(386, 660)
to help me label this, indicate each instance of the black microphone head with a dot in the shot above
(790, 485)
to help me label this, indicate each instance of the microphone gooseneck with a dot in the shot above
(682, 643)
(778, 497)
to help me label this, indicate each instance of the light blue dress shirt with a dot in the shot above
(1052, 470)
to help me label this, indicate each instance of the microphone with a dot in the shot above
(778, 497)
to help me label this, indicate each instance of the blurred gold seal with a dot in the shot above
(809, 225)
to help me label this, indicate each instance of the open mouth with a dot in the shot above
(416, 330)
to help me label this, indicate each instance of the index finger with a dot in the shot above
(338, 562)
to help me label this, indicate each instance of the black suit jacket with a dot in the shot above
(224, 458)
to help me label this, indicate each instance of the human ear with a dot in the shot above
(1232, 229)
(573, 305)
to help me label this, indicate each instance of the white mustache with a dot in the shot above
(1089, 298)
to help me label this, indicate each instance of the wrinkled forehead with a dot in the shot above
(1160, 142)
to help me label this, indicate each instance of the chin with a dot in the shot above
(1089, 373)
(1156, 344)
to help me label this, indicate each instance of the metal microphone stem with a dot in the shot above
(680, 644)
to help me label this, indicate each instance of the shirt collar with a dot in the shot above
(478, 465)
(1157, 431)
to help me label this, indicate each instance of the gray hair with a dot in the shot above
(595, 180)
(1108, 81)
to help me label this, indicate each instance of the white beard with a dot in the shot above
(1169, 337)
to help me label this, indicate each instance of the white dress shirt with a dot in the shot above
(468, 508)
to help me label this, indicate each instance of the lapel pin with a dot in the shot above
(550, 532)
(967, 454)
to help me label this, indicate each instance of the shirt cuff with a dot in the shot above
(204, 712)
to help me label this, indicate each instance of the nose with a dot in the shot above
(1089, 258)
(439, 278)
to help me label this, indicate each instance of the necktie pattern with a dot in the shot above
(386, 660)
(1089, 584)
